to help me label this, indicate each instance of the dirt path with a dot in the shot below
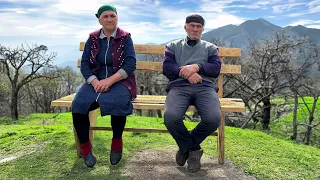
(21, 153)
(160, 164)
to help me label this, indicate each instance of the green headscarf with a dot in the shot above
(107, 7)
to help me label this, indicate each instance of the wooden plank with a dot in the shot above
(148, 106)
(221, 140)
(149, 49)
(61, 103)
(93, 121)
(77, 142)
(162, 99)
(157, 102)
(81, 47)
(225, 107)
(157, 66)
(235, 107)
(149, 66)
(220, 82)
(153, 99)
(69, 97)
(159, 49)
(220, 86)
(230, 69)
(79, 63)
(230, 52)
(138, 130)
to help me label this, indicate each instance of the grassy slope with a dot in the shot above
(258, 154)
(282, 128)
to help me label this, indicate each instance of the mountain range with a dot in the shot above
(240, 35)
(257, 29)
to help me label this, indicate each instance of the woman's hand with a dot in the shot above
(102, 85)
(106, 84)
(95, 83)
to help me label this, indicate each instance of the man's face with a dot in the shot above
(194, 30)
(108, 20)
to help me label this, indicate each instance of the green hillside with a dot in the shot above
(257, 153)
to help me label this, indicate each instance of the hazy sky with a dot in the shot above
(64, 23)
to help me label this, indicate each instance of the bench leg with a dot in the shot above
(221, 140)
(77, 142)
(93, 119)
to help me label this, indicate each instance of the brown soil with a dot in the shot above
(160, 164)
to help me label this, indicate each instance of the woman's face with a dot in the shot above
(108, 20)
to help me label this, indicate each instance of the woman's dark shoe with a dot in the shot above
(90, 159)
(116, 151)
(115, 157)
(86, 153)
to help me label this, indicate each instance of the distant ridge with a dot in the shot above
(256, 29)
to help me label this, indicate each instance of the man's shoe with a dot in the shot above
(115, 157)
(181, 158)
(194, 164)
(89, 160)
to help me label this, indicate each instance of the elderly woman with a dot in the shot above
(107, 64)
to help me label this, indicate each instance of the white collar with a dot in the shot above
(102, 35)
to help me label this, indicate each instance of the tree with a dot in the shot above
(62, 82)
(40, 93)
(70, 80)
(308, 86)
(4, 100)
(310, 124)
(22, 65)
(265, 73)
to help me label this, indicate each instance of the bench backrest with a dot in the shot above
(159, 49)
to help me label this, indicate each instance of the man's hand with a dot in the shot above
(188, 70)
(195, 78)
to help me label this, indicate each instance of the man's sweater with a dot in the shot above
(179, 53)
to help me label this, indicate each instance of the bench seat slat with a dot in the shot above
(157, 102)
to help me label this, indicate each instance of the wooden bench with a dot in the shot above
(157, 102)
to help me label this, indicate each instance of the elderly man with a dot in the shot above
(191, 65)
